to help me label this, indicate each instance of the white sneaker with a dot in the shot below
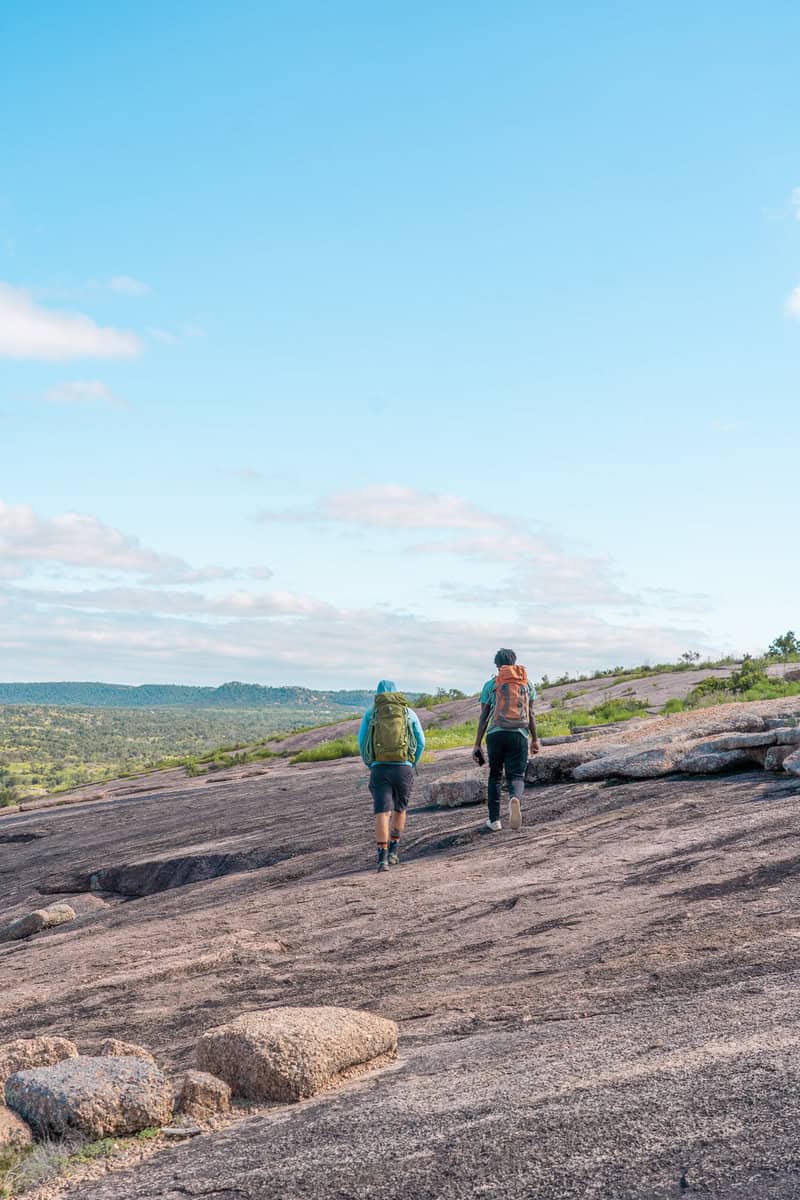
(495, 826)
(515, 814)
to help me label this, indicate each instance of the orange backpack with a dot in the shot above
(512, 700)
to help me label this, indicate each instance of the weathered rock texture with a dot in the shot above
(291, 1053)
(202, 1096)
(34, 1052)
(14, 1133)
(35, 922)
(114, 1048)
(98, 1097)
(454, 791)
(708, 742)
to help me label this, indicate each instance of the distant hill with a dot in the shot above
(169, 695)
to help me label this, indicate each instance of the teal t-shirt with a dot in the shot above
(489, 696)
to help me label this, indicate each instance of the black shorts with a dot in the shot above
(391, 785)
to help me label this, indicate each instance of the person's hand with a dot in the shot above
(477, 756)
(535, 746)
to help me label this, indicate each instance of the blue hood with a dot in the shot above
(386, 685)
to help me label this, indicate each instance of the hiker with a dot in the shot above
(507, 711)
(391, 742)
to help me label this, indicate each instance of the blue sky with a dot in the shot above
(343, 341)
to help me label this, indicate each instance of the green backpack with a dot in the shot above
(391, 737)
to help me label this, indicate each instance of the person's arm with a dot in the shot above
(362, 736)
(419, 735)
(535, 746)
(483, 721)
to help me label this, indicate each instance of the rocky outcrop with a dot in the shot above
(98, 1097)
(114, 1048)
(460, 788)
(291, 1053)
(792, 763)
(34, 1052)
(202, 1096)
(14, 1133)
(35, 922)
(724, 742)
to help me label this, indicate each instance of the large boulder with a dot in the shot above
(14, 1133)
(34, 1052)
(701, 761)
(98, 1097)
(290, 1053)
(460, 788)
(788, 736)
(776, 756)
(735, 741)
(35, 922)
(202, 1096)
(635, 763)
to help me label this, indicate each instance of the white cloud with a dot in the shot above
(393, 507)
(28, 331)
(78, 540)
(125, 285)
(793, 303)
(84, 391)
(155, 601)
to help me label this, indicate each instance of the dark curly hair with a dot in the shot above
(505, 658)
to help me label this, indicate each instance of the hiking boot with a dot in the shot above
(383, 859)
(515, 814)
(494, 826)
(394, 853)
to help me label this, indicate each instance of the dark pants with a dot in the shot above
(391, 785)
(507, 750)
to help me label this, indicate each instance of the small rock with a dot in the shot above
(181, 1131)
(14, 1133)
(34, 1052)
(114, 1048)
(35, 922)
(776, 756)
(203, 1096)
(99, 1097)
(290, 1053)
(463, 787)
(792, 763)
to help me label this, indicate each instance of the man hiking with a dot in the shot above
(391, 742)
(507, 710)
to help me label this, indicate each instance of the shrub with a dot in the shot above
(674, 706)
(344, 747)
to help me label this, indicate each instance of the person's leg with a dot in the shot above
(381, 789)
(495, 746)
(404, 785)
(516, 763)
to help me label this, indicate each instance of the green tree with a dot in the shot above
(785, 647)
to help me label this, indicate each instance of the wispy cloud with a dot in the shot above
(29, 331)
(126, 285)
(84, 391)
(393, 507)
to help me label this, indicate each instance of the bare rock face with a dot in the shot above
(290, 1053)
(792, 763)
(776, 756)
(34, 1052)
(35, 922)
(736, 741)
(461, 788)
(202, 1096)
(14, 1133)
(114, 1048)
(98, 1097)
(788, 737)
(557, 766)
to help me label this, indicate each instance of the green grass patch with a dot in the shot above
(674, 706)
(344, 747)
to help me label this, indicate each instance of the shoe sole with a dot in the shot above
(515, 816)
(394, 862)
